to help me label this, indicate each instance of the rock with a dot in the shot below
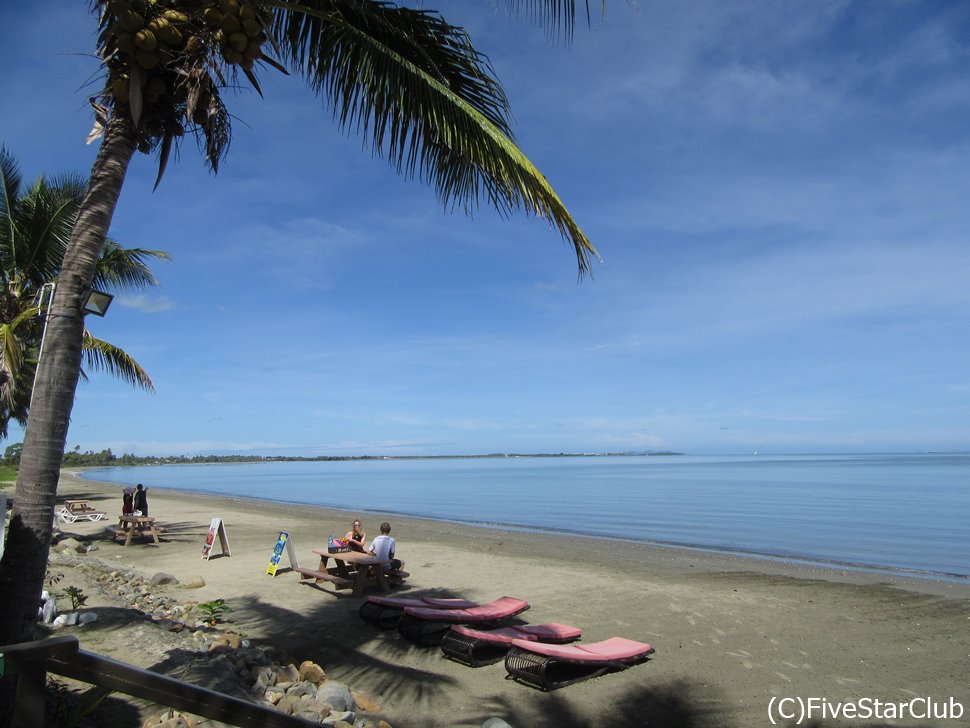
(289, 673)
(312, 672)
(288, 704)
(194, 582)
(299, 689)
(219, 645)
(72, 544)
(87, 618)
(273, 695)
(339, 720)
(364, 703)
(233, 640)
(495, 723)
(338, 695)
(65, 620)
(383, 724)
(162, 578)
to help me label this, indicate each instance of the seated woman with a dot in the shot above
(356, 536)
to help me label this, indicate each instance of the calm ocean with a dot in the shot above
(902, 513)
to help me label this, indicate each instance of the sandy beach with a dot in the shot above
(730, 633)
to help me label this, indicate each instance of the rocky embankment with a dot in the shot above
(158, 615)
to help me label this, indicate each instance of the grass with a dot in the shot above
(7, 473)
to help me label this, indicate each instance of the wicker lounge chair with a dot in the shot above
(386, 612)
(476, 647)
(548, 667)
(428, 626)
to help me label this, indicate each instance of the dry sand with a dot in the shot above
(730, 633)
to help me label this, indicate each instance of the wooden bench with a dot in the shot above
(319, 575)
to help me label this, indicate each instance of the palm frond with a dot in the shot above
(10, 181)
(425, 98)
(101, 355)
(124, 269)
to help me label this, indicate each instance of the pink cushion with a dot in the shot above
(423, 602)
(498, 609)
(551, 632)
(613, 649)
(505, 635)
(448, 603)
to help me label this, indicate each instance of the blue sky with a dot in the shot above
(778, 190)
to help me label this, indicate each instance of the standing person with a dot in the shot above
(356, 536)
(383, 548)
(127, 502)
(141, 499)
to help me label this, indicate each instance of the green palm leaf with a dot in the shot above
(416, 88)
(102, 356)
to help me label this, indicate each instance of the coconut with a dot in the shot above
(117, 7)
(253, 52)
(252, 27)
(156, 24)
(238, 41)
(229, 6)
(212, 17)
(174, 16)
(131, 21)
(119, 89)
(231, 56)
(146, 40)
(146, 59)
(171, 36)
(231, 24)
(125, 42)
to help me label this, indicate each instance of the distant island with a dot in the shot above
(75, 458)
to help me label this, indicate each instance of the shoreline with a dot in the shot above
(726, 558)
(730, 632)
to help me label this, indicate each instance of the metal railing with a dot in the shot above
(31, 661)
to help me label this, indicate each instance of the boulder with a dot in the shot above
(338, 695)
(312, 672)
(162, 578)
(193, 582)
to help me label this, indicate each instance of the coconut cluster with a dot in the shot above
(159, 55)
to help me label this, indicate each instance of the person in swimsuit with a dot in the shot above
(356, 536)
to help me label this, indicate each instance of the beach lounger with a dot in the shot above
(428, 626)
(386, 612)
(476, 647)
(547, 667)
(67, 516)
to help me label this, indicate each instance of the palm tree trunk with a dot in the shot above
(24, 563)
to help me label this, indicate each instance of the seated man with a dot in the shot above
(383, 548)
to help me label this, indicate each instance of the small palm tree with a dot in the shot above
(405, 79)
(35, 227)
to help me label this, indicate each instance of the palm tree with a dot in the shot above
(35, 226)
(412, 84)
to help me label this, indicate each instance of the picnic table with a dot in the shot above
(129, 526)
(353, 569)
(78, 506)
